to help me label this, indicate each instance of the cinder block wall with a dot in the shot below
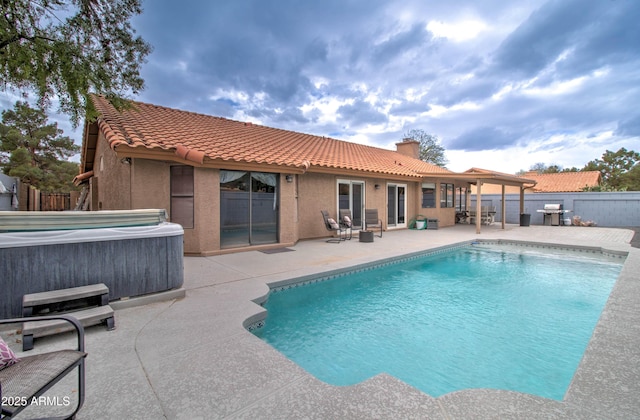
(607, 209)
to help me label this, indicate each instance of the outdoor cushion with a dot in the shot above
(333, 223)
(347, 220)
(7, 356)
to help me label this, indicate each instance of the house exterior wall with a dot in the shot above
(377, 199)
(289, 214)
(204, 238)
(315, 192)
(152, 189)
(446, 216)
(145, 183)
(111, 180)
(150, 185)
(319, 192)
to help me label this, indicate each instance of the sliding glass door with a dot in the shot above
(248, 208)
(396, 205)
(351, 197)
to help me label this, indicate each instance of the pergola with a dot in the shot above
(478, 177)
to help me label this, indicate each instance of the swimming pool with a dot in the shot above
(476, 317)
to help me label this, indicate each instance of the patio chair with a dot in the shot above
(346, 221)
(371, 220)
(27, 378)
(487, 214)
(332, 226)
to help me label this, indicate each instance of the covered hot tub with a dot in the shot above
(131, 260)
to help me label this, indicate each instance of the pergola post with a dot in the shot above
(504, 206)
(478, 206)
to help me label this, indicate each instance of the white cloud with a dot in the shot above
(230, 94)
(325, 109)
(459, 31)
(438, 111)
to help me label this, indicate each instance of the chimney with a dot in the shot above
(409, 147)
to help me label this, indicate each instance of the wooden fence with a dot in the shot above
(55, 201)
(30, 199)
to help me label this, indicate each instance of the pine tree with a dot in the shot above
(35, 151)
(66, 49)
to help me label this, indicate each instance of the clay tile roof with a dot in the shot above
(564, 181)
(558, 182)
(199, 137)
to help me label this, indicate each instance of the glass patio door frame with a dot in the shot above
(399, 206)
(246, 217)
(356, 200)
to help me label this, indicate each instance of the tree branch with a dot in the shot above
(4, 44)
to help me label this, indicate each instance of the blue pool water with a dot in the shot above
(469, 318)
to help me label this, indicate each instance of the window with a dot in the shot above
(428, 195)
(461, 204)
(182, 196)
(446, 195)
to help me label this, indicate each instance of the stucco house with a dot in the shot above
(236, 185)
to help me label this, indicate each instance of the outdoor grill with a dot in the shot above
(553, 214)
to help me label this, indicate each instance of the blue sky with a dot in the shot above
(504, 85)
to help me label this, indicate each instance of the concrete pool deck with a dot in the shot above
(192, 357)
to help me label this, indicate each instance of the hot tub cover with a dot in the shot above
(26, 221)
(52, 237)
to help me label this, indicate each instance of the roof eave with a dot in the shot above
(489, 178)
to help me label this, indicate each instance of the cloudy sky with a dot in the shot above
(503, 84)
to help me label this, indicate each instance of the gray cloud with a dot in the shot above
(629, 127)
(360, 113)
(483, 138)
(538, 69)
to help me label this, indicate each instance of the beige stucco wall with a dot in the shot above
(377, 199)
(111, 180)
(315, 192)
(146, 184)
(150, 184)
(319, 192)
(289, 212)
(445, 216)
(205, 236)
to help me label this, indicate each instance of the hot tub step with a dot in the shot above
(87, 317)
(42, 299)
(89, 304)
